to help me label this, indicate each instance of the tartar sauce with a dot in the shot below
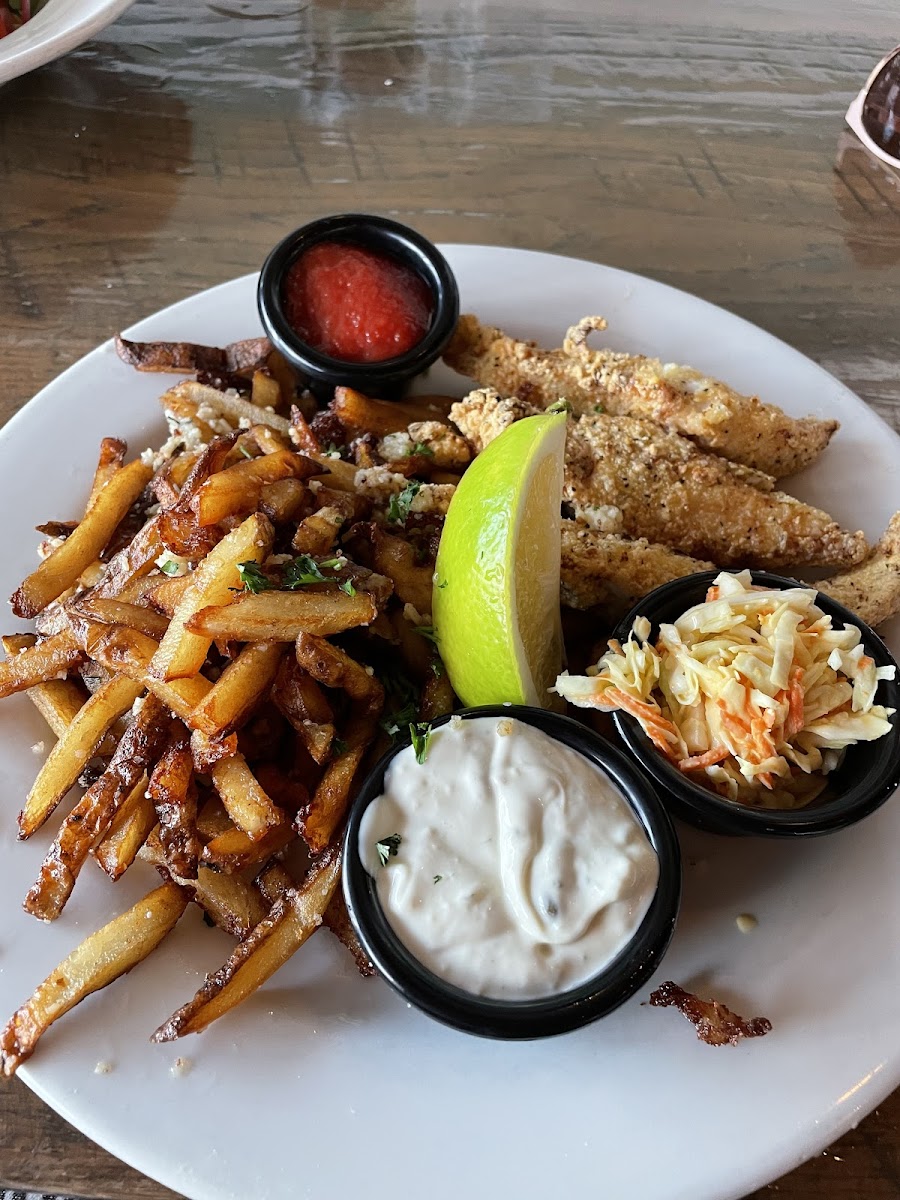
(507, 863)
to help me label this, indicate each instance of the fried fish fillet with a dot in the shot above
(612, 571)
(629, 476)
(680, 399)
(872, 589)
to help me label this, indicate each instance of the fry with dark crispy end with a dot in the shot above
(60, 570)
(232, 904)
(317, 821)
(396, 558)
(74, 748)
(112, 457)
(91, 816)
(238, 690)
(236, 491)
(182, 653)
(100, 959)
(334, 668)
(715, 1023)
(293, 918)
(46, 660)
(246, 802)
(337, 919)
(129, 829)
(276, 616)
(302, 701)
(174, 795)
(437, 697)
(301, 434)
(166, 594)
(132, 562)
(283, 500)
(177, 357)
(119, 612)
(318, 533)
(679, 399)
(232, 850)
(871, 590)
(274, 880)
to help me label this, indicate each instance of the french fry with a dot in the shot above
(233, 407)
(182, 653)
(334, 668)
(130, 828)
(166, 594)
(269, 440)
(188, 357)
(341, 475)
(293, 919)
(68, 757)
(273, 881)
(337, 919)
(238, 690)
(396, 558)
(104, 956)
(276, 616)
(317, 821)
(360, 414)
(301, 435)
(132, 562)
(61, 569)
(112, 456)
(283, 500)
(236, 491)
(319, 532)
(245, 801)
(437, 697)
(91, 816)
(303, 702)
(40, 663)
(174, 796)
(119, 612)
(279, 368)
(58, 700)
(265, 392)
(232, 850)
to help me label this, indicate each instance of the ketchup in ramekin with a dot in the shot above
(359, 301)
(356, 304)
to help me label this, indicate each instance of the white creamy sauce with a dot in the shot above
(520, 870)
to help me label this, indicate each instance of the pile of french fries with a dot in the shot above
(222, 646)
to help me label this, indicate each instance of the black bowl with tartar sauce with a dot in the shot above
(867, 776)
(544, 1016)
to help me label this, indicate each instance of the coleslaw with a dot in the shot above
(753, 690)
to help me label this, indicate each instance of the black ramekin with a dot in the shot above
(386, 379)
(867, 776)
(524, 1019)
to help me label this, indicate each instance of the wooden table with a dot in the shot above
(705, 148)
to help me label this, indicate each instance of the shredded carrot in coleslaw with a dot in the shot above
(753, 687)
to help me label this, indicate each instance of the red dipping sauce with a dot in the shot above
(354, 304)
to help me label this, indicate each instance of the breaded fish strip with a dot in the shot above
(871, 590)
(628, 476)
(602, 568)
(668, 491)
(682, 400)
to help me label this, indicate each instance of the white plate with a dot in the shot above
(59, 27)
(325, 1085)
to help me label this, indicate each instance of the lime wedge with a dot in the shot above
(496, 590)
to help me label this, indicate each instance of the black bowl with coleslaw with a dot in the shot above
(869, 772)
(545, 1016)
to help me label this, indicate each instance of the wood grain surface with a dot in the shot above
(699, 143)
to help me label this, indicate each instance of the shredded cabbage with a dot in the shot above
(753, 690)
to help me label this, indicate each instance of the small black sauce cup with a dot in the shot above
(386, 379)
(867, 776)
(558, 1013)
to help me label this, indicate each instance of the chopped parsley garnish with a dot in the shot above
(398, 508)
(387, 848)
(403, 697)
(304, 569)
(598, 408)
(437, 667)
(420, 448)
(246, 453)
(428, 632)
(420, 733)
(251, 576)
(437, 879)
(347, 586)
(561, 405)
(169, 567)
(339, 746)
(440, 586)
